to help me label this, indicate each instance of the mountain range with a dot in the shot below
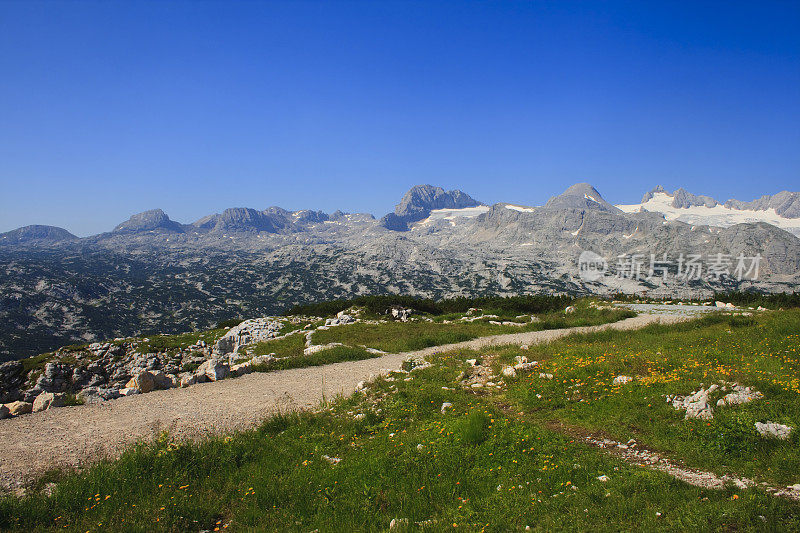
(151, 273)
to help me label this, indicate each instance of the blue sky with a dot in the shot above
(111, 108)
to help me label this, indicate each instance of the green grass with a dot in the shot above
(164, 343)
(758, 352)
(489, 463)
(291, 346)
(336, 354)
(473, 466)
(398, 337)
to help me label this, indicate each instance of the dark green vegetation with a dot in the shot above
(489, 463)
(754, 299)
(779, 300)
(378, 305)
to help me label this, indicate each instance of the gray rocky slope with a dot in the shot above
(152, 274)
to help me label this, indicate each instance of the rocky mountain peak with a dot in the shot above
(37, 234)
(420, 200)
(648, 195)
(154, 219)
(580, 196)
(682, 199)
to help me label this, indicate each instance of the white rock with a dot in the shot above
(472, 362)
(773, 429)
(445, 406)
(621, 380)
(602, 478)
(569, 310)
(509, 372)
(397, 523)
(545, 376)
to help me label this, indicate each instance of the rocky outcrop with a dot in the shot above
(247, 332)
(785, 203)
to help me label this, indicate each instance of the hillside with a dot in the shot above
(582, 433)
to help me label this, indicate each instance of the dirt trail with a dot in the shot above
(71, 436)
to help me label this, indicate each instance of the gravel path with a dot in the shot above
(71, 436)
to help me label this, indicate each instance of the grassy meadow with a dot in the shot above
(495, 460)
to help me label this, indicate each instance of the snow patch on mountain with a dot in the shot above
(453, 214)
(718, 215)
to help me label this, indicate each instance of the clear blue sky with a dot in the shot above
(111, 108)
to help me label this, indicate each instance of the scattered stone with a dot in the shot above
(739, 396)
(332, 460)
(509, 372)
(773, 430)
(545, 376)
(397, 523)
(48, 400)
(696, 404)
(621, 380)
(320, 347)
(340, 320)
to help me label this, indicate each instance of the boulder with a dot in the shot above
(188, 379)
(214, 370)
(48, 400)
(773, 430)
(161, 381)
(242, 368)
(144, 382)
(4, 412)
(19, 408)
